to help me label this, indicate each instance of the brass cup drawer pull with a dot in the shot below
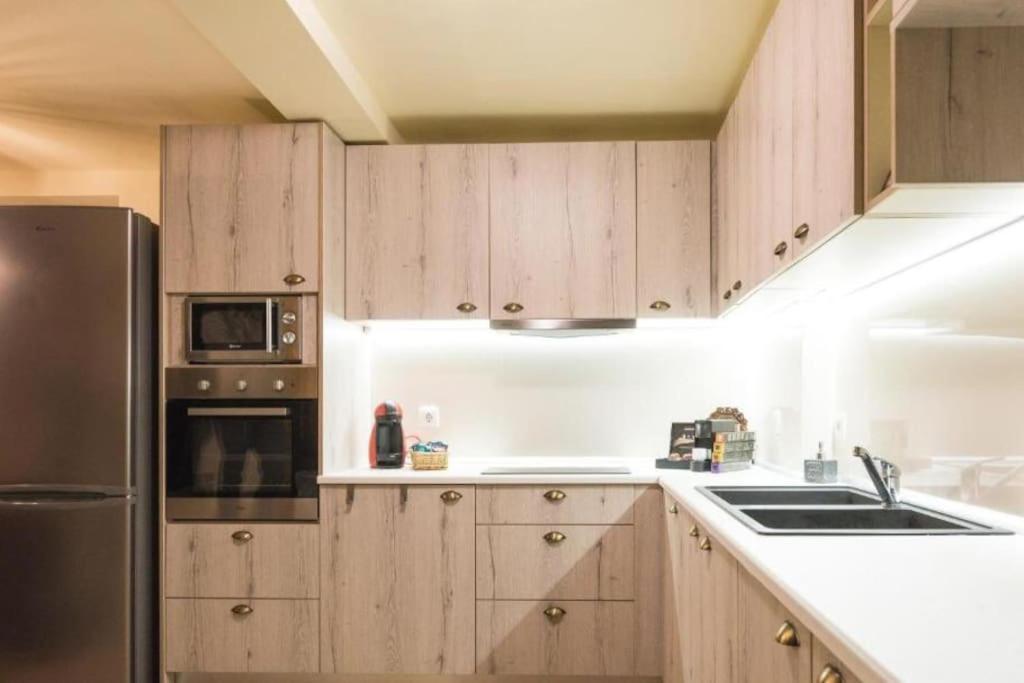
(830, 674)
(660, 305)
(451, 497)
(705, 544)
(738, 285)
(786, 635)
(554, 614)
(554, 537)
(465, 307)
(241, 610)
(727, 295)
(242, 536)
(512, 307)
(694, 531)
(802, 231)
(780, 248)
(293, 279)
(673, 509)
(554, 495)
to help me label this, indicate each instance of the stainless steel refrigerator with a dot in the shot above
(77, 445)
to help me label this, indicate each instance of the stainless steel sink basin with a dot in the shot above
(794, 495)
(833, 511)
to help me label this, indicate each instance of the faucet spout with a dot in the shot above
(884, 475)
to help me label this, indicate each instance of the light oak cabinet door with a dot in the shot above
(675, 587)
(242, 560)
(825, 666)
(235, 636)
(241, 208)
(649, 550)
(673, 228)
(398, 580)
(710, 604)
(773, 646)
(586, 638)
(502, 504)
(417, 230)
(827, 117)
(563, 230)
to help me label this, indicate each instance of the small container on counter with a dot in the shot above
(819, 470)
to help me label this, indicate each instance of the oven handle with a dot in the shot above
(238, 412)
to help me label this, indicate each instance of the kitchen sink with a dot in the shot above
(834, 511)
(794, 495)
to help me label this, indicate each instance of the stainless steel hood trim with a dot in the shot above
(556, 324)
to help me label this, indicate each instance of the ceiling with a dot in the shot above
(508, 68)
(87, 84)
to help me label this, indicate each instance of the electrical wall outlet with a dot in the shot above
(430, 416)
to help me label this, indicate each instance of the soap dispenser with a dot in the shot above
(819, 470)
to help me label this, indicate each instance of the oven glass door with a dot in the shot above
(242, 324)
(255, 449)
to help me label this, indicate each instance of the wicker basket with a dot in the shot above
(429, 461)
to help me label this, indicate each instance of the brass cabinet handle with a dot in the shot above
(512, 307)
(830, 674)
(293, 279)
(694, 532)
(554, 537)
(786, 635)
(705, 544)
(242, 536)
(660, 305)
(465, 307)
(727, 295)
(737, 285)
(780, 248)
(673, 509)
(801, 231)
(242, 610)
(554, 495)
(451, 497)
(554, 614)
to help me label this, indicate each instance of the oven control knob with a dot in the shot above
(288, 337)
(288, 318)
(203, 385)
(241, 385)
(278, 385)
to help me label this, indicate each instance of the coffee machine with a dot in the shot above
(387, 442)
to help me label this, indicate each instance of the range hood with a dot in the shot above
(564, 327)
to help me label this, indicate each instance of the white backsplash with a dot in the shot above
(925, 369)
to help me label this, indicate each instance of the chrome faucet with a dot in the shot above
(884, 475)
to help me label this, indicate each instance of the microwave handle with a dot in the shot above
(238, 412)
(270, 325)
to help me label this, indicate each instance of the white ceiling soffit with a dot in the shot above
(288, 52)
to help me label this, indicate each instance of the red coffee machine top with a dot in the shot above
(387, 443)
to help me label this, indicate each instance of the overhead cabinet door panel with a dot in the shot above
(563, 230)
(417, 232)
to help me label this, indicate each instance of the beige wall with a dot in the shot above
(138, 189)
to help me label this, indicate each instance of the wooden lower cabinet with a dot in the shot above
(398, 576)
(586, 638)
(773, 646)
(247, 636)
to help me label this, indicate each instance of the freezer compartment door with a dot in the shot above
(65, 297)
(65, 589)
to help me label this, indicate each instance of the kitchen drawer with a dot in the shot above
(242, 560)
(554, 504)
(551, 562)
(590, 639)
(218, 636)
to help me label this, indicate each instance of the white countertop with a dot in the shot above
(905, 608)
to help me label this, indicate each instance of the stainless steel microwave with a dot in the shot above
(243, 329)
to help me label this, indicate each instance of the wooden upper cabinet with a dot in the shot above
(827, 117)
(241, 207)
(563, 230)
(417, 232)
(398, 575)
(673, 229)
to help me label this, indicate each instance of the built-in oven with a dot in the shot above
(243, 329)
(241, 443)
